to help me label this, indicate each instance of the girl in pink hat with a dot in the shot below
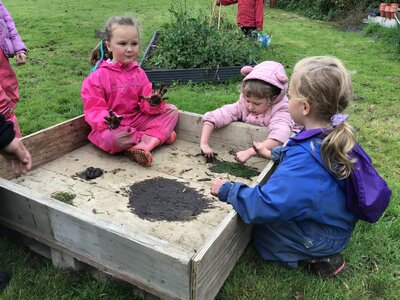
(262, 102)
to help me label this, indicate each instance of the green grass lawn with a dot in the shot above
(60, 34)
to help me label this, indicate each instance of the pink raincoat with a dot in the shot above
(10, 44)
(117, 87)
(277, 118)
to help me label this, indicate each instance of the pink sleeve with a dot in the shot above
(224, 116)
(95, 107)
(281, 123)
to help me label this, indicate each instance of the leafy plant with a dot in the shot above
(193, 42)
(65, 197)
(328, 10)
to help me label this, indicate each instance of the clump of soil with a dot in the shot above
(90, 173)
(235, 169)
(159, 199)
(64, 197)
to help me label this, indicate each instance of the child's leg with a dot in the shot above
(16, 126)
(161, 126)
(116, 140)
(171, 139)
(157, 130)
(8, 80)
(9, 94)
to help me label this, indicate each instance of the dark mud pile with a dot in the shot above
(160, 199)
(89, 173)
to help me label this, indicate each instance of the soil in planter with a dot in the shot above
(159, 199)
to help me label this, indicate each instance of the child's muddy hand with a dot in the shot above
(206, 151)
(20, 58)
(242, 156)
(261, 150)
(216, 185)
(112, 120)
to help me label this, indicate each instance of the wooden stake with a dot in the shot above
(212, 13)
(219, 16)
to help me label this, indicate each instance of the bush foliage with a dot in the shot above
(329, 10)
(193, 42)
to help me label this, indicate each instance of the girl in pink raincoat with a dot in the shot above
(115, 98)
(10, 45)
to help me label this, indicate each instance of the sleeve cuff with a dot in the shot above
(209, 123)
(276, 153)
(224, 191)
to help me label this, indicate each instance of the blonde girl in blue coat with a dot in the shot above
(300, 214)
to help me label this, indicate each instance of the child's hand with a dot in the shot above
(20, 58)
(261, 150)
(243, 156)
(216, 185)
(156, 97)
(112, 120)
(18, 158)
(206, 150)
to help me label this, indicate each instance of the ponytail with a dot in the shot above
(335, 150)
(98, 54)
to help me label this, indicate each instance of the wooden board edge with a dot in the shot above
(50, 143)
(214, 261)
(156, 252)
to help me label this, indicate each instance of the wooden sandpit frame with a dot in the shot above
(76, 236)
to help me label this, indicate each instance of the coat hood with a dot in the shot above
(270, 72)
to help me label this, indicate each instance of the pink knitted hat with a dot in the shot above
(268, 71)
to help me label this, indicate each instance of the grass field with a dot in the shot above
(60, 35)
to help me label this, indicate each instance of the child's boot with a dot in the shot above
(141, 156)
(326, 266)
(171, 139)
(140, 153)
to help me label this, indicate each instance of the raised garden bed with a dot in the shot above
(196, 75)
(178, 258)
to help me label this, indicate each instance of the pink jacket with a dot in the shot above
(250, 12)
(101, 92)
(10, 40)
(277, 119)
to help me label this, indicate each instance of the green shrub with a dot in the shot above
(329, 10)
(192, 42)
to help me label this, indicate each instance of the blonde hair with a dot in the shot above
(95, 55)
(260, 89)
(327, 86)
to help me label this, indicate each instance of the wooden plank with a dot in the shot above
(212, 265)
(155, 265)
(216, 259)
(147, 262)
(237, 135)
(53, 142)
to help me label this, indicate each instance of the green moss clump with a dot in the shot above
(234, 169)
(64, 197)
